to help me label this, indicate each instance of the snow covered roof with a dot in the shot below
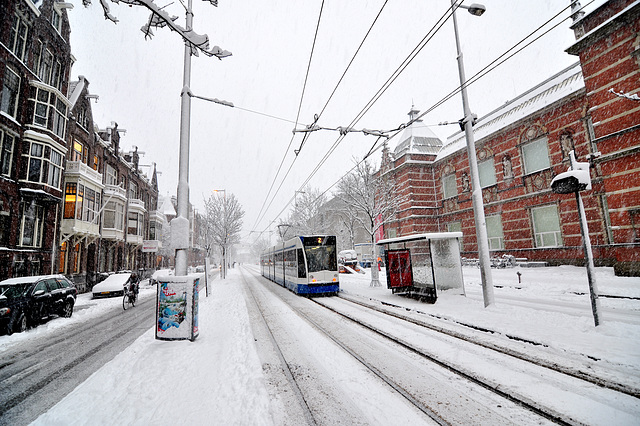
(417, 138)
(565, 83)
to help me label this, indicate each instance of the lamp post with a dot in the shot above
(476, 195)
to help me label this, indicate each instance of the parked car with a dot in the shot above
(26, 301)
(113, 285)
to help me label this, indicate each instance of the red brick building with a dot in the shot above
(523, 144)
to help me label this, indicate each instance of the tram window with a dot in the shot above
(321, 258)
(302, 269)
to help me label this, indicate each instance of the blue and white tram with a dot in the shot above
(305, 265)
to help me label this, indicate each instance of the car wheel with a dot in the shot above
(20, 325)
(67, 311)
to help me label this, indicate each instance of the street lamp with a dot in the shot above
(476, 195)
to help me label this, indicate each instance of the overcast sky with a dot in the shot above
(139, 83)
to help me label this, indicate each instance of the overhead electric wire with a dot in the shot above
(315, 37)
(259, 217)
(490, 67)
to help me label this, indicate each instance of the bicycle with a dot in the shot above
(129, 299)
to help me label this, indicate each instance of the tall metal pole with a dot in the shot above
(591, 270)
(183, 172)
(476, 195)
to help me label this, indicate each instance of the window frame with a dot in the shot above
(481, 167)
(6, 154)
(498, 238)
(10, 106)
(19, 41)
(49, 170)
(538, 236)
(527, 148)
(446, 183)
(38, 225)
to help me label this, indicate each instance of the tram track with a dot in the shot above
(587, 374)
(560, 377)
(286, 366)
(414, 392)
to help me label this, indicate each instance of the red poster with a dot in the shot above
(399, 273)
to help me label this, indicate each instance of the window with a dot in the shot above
(55, 169)
(70, 200)
(46, 63)
(113, 216)
(50, 110)
(134, 226)
(18, 40)
(56, 20)
(155, 230)
(536, 156)
(494, 232)
(63, 258)
(487, 173)
(10, 90)
(79, 201)
(78, 150)
(6, 153)
(133, 190)
(45, 165)
(96, 163)
(31, 224)
(456, 227)
(546, 226)
(112, 175)
(37, 55)
(449, 188)
(76, 258)
(5, 227)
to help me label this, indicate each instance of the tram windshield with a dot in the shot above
(321, 254)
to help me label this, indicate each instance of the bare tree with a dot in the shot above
(307, 216)
(223, 223)
(373, 201)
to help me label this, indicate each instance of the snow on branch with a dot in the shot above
(160, 18)
(633, 97)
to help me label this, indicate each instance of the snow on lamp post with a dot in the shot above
(574, 180)
(194, 44)
(476, 195)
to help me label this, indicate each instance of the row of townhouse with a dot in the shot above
(71, 201)
(592, 108)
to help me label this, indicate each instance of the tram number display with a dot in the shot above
(399, 270)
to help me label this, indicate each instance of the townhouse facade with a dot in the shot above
(71, 200)
(588, 108)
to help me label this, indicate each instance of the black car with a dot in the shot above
(26, 301)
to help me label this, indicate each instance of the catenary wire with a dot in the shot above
(490, 67)
(284, 156)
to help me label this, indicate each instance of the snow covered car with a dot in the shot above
(159, 273)
(26, 301)
(113, 285)
(347, 256)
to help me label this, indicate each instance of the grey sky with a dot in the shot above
(139, 82)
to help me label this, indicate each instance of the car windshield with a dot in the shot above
(11, 291)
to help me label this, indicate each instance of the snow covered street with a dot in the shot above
(230, 373)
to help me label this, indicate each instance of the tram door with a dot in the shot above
(399, 272)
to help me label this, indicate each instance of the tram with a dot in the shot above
(306, 265)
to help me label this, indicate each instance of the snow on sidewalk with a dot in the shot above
(217, 379)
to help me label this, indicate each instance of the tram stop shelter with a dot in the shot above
(420, 265)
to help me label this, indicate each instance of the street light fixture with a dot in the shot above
(476, 195)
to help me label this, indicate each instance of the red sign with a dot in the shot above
(399, 272)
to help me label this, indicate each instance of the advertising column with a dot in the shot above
(177, 308)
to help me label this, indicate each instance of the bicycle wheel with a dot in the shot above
(126, 301)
